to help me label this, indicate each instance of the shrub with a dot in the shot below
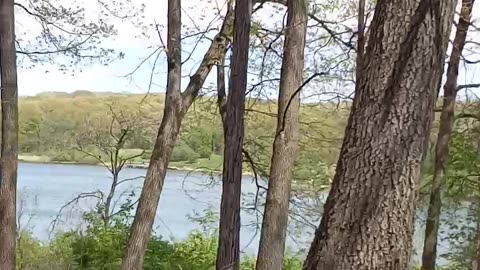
(101, 247)
(32, 254)
(183, 152)
(201, 140)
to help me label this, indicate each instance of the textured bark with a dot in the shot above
(447, 120)
(108, 202)
(368, 219)
(360, 39)
(168, 132)
(228, 254)
(285, 146)
(222, 92)
(476, 261)
(176, 105)
(8, 162)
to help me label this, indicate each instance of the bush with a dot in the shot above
(101, 247)
(32, 254)
(200, 139)
(183, 152)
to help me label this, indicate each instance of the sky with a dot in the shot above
(97, 77)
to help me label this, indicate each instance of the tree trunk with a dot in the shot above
(285, 146)
(108, 201)
(445, 132)
(228, 254)
(368, 219)
(169, 129)
(8, 162)
(476, 259)
(176, 106)
(360, 40)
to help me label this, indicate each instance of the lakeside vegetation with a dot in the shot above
(349, 196)
(57, 127)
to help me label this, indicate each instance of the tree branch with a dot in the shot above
(95, 194)
(464, 86)
(212, 57)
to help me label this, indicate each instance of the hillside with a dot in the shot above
(54, 124)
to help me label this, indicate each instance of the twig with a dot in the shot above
(96, 194)
(464, 86)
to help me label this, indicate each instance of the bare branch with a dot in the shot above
(295, 94)
(143, 61)
(95, 194)
(130, 179)
(468, 115)
(464, 86)
(212, 57)
(99, 158)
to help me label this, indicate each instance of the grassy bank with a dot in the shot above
(212, 164)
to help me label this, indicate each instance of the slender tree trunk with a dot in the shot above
(445, 132)
(285, 146)
(222, 93)
(476, 259)
(169, 129)
(108, 201)
(368, 219)
(8, 162)
(360, 40)
(176, 106)
(228, 255)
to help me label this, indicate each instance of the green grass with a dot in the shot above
(33, 158)
(214, 163)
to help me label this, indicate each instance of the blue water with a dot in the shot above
(45, 188)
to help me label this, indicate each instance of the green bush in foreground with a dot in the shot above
(100, 247)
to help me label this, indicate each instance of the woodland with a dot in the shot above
(358, 119)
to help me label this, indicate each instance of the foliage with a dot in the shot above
(459, 227)
(32, 254)
(100, 247)
(183, 152)
(202, 141)
(66, 34)
(54, 124)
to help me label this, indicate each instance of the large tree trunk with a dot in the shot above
(8, 162)
(368, 219)
(445, 132)
(228, 255)
(285, 146)
(176, 106)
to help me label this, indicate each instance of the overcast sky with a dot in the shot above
(110, 78)
(97, 77)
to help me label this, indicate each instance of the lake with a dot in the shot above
(45, 188)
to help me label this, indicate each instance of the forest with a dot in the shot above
(54, 126)
(346, 130)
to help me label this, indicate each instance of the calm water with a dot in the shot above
(44, 188)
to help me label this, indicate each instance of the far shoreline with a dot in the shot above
(32, 159)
